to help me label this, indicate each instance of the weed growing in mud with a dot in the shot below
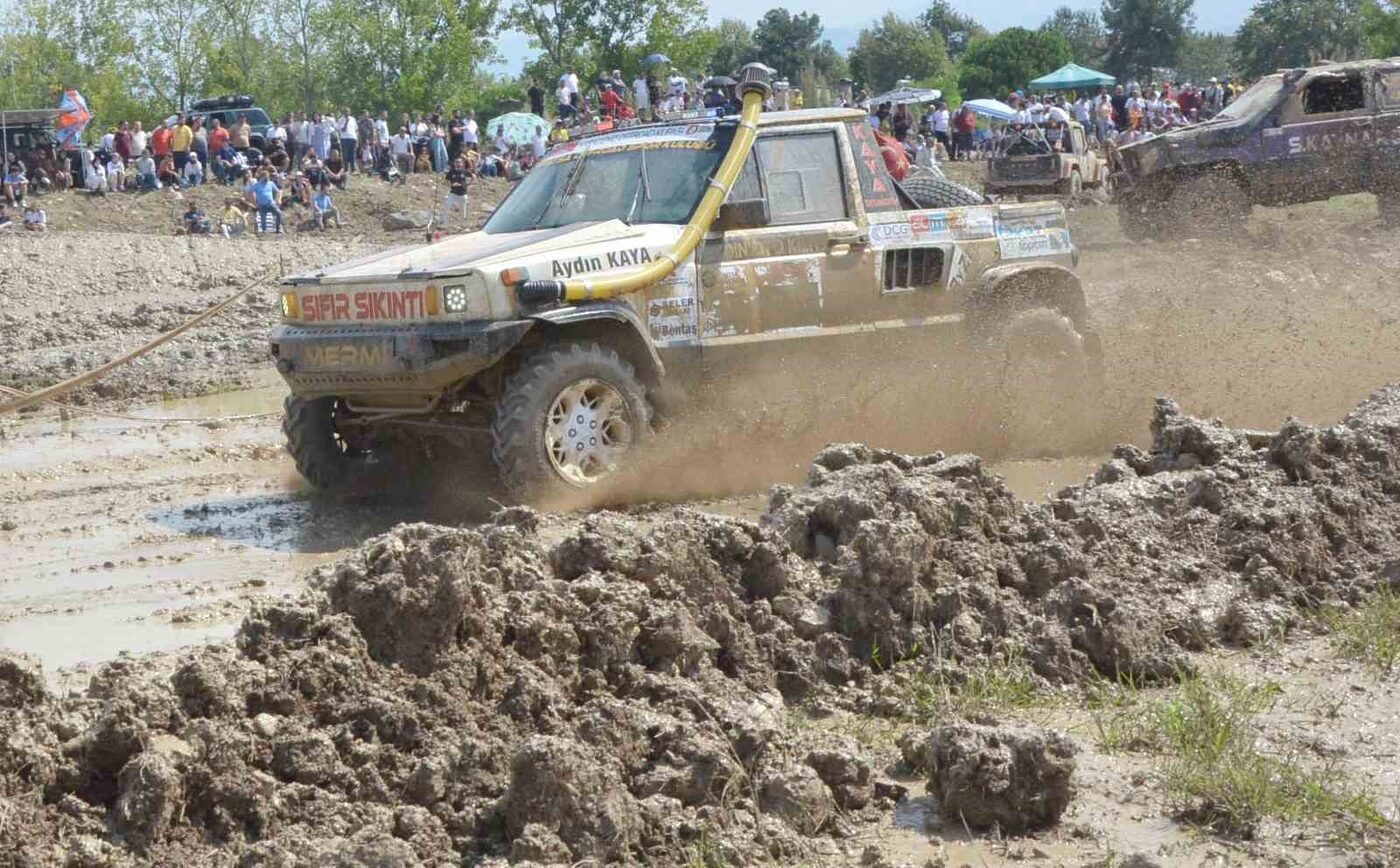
(1206, 730)
(995, 687)
(1370, 633)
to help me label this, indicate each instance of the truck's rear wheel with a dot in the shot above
(566, 419)
(1047, 381)
(324, 456)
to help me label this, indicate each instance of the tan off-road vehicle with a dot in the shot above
(1056, 161)
(627, 262)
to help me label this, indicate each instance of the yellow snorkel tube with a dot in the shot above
(754, 88)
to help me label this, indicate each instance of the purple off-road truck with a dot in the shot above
(1296, 136)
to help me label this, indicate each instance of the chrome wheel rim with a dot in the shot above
(588, 429)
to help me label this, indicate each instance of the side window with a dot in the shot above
(1390, 89)
(1329, 95)
(803, 176)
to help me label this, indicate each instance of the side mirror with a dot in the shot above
(743, 214)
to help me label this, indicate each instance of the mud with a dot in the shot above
(632, 687)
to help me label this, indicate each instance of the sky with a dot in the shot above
(844, 20)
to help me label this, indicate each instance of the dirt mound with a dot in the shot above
(1012, 778)
(627, 692)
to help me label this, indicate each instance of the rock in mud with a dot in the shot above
(152, 791)
(21, 680)
(1016, 778)
(796, 794)
(574, 793)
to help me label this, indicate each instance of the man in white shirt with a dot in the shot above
(349, 131)
(138, 139)
(538, 143)
(564, 107)
(471, 133)
(401, 146)
(642, 93)
(109, 140)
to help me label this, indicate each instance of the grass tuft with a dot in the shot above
(1371, 632)
(978, 689)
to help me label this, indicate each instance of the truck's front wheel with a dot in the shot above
(566, 419)
(324, 455)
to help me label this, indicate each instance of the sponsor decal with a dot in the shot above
(693, 136)
(347, 356)
(1315, 143)
(1030, 245)
(365, 304)
(926, 227)
(612, 259)
(675, 318)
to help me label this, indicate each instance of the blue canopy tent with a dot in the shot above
(994, 109)
(1072, 76)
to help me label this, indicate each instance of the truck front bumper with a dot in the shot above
(390, 366)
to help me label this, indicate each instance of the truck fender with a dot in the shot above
(1005, 289)
(620, 316)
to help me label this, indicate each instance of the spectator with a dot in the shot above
(401, 146)
(323, 209)
(160, 142)
(641, 94)
(193, 175)
(267, 198)
(336, 171)
(536, 95)
(196, 222)
(16, 184)
(964, 129)
(369, 137)
(322, 131)
(241, 134)
(560, 133)
(234, 220)
(437, 143)
(35, 220)
(564, 107)
(146, 177)
(122, 143)
(165, 171)
(303, 136)
(539, 143)
(139, 139)
(348, 130)
(942, 126)
(200, 145)
(610, 101)
(228, 163)
(116, 174)
(456, 135)
(471, 133)
(456, 191)
(94, 175)
(382, 134)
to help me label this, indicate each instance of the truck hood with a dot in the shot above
(457, 254)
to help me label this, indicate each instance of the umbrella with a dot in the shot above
(991, 108)
(519, 127)
(719, 81)
(1071, 76)
(73, 118)
(904, 96)
(654, 59)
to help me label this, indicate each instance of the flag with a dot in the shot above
(73, 118)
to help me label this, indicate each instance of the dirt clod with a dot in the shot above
(21, 680)
(1016, 778)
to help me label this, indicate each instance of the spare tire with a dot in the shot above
(929, 190)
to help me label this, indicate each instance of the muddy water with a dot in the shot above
(153, 535)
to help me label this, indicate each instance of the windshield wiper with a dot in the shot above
(565, 190)
(643, 193)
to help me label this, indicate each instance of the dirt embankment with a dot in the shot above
(639, 689)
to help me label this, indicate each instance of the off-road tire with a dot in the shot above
(1138, 219)
(931, 191)
(518, 431)
(1046, 383)
(321, 457)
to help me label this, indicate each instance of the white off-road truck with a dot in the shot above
(630, 260)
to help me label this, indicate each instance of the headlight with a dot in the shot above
(290, 308)
(455, 298)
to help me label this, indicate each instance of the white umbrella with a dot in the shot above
(904, 96)
(991, 108)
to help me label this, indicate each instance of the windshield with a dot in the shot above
(655, 183)
(1258, 98)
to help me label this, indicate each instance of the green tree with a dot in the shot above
(1380, 20)
(1001, 63)
(1281, 33)
(559, 28)
(173, 41)
(957, 30)
(734, 46)
(1082, 31)
(1143, 34)
(1206, 55)
(894, 48)
(787, 42)
(301, 27)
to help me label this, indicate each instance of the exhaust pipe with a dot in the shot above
(754, 87)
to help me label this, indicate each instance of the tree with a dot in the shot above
(787, 42)
(559, 28)
(1380, 21)
(1143, 34)
(1082, 31)
(1281, 33)
(893, 49)
(301, 28)
(956, 29)
(734, 46)
(999, 64)
(173, 39)
(1206, 55)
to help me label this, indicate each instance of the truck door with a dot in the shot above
(1321, 142)
(786, 274)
